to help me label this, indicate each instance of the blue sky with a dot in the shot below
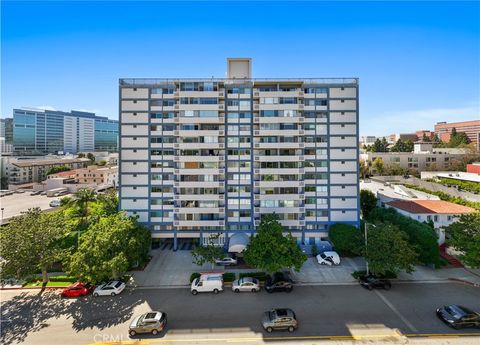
(418, 62)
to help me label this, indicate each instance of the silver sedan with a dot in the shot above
(246, 284)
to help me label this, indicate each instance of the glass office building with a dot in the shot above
(44, 131)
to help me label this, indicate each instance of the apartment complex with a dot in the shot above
(424, 157)
(22, 171)
(207, 156)
(49, 132)
(470, 128)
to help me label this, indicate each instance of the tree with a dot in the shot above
(388, 250)
(464, 235)
(207, 253)
(81, 155)
(363, 168)
(84, 196)
(420, 235)
(457, 138)
(425, 138)
(380, 145)
(271, 250)
(4, 182)
(32, 242)
(378, 165)
(368, 201)
(102, 163)
(347, 239)
(91, 157)
(58, 168)
(109, 248)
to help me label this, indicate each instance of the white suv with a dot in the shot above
(109, 289)
(328, 258)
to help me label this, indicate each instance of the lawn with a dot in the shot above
(52, 282)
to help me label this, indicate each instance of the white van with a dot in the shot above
(207, 283)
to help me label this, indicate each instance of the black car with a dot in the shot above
(372, 282)
(457, 316)
(278, 282)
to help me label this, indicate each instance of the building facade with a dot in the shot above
(23, 171)
(44, 132)
(199, 157)
(470, 128)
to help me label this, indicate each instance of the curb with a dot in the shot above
(466, 282)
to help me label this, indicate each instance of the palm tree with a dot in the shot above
(83, 196)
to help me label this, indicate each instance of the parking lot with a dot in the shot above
(15, 204)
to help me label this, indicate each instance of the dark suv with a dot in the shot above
(372, 282)
(278, 282)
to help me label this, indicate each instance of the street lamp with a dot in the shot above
(366, 244)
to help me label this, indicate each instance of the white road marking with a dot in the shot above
(395, 310)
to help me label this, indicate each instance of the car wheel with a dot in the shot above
(388, 286)
(154, 332)
(132, 333)
(269, 290)
(95, 294)
(215, 290)
(254, 290)
(455, 326)
(113, 294)
(289, 290)
(369, 287)
(237, 290)
(194, 292)
(291, 329)
(269, 329)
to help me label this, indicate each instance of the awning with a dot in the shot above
(238, 243)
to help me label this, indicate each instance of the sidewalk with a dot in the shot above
(171, 269)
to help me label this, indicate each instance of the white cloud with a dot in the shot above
(409, 121)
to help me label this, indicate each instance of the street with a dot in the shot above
(322, 311)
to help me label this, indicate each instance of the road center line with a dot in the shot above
(395, 310)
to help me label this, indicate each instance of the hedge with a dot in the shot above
(262, 276)
(420, 235)
(388, 275)
(346, 239)
(194, 276)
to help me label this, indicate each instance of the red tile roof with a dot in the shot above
(430, 206)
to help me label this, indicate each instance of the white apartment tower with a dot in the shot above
(209, 156)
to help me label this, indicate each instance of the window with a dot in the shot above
(435, 218)
(135, 101)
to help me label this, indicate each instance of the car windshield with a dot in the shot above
(455, 311)
(118, 285)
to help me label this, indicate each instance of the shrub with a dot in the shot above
(228, 277)
(262, 276)
(346, 239)
(314, 250)
(62, 278)
(387, 275)
(194, 276)
(420, 235)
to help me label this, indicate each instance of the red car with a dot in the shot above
(77, 290)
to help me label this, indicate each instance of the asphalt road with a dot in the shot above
(323, 312)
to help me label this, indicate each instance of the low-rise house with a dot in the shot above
(441, 213)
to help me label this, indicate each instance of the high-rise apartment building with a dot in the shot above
(204, 156)
(38, 131)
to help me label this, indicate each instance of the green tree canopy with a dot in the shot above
(388, 250)
(378, 165)
(32, 242)
(347, 239)
(464, 235)
(207, 253)
(58, 168)
(108, 248)
(271, 250)
(91, 156)
(402, 146)
(380, 145)
(420, 235)
(368, 201)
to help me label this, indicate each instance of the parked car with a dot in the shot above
(372, 282)
(61, 193)
(20, 191)
(109, 289)
(458, 317)
(37, 192)
(278, 282)
(55, 203)
(43, 193)
(77, 290)
(207, 283)
(328, 258)
(152, 322)
(226, 261)
(279, 319)
(246, 284)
